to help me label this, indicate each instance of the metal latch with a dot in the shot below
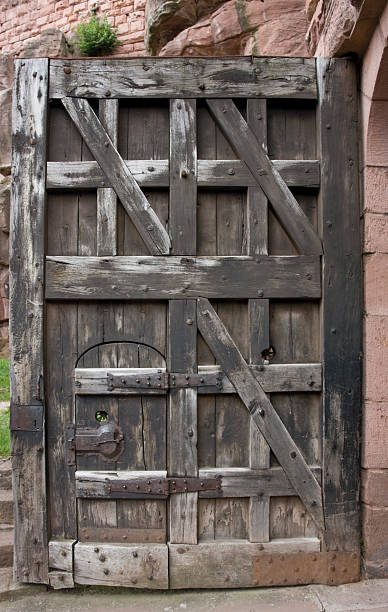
(163, 380)
(160, 487)
(107, 440)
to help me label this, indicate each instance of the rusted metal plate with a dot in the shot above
(164, 380)
(26, 418)
(115, 534)
(306, 568)
(107, 440)
(163, 487)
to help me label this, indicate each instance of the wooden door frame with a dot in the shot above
(38, 79)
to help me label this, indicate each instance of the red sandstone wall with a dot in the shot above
(23, 20)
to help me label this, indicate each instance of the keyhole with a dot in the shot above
(268, 353)
(101, 416)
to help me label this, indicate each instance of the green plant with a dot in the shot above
(5, 437)
(4, 380)
(96, 36)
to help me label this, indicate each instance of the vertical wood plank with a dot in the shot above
(182, 445)
(183, 176)
(106, 197)
(258, 320)
(29, 118)
(341, 299)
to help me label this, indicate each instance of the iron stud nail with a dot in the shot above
(102, 558)
(151, 168)
(150, 577)
(261, 412)
(179, 105)
(202, 484)
(189, 321)
(260, 293)
(96, 550)
(134, 554)
(67, 70)
(106, 571)
(202, 86)
(137, 486)
(106, 143)
(293, 454)
(148, 482)
(184, 173)
(137, 380)
(231, 171)
(108, 93)
(201, 380)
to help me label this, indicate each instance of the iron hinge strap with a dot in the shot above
(163, 380)
(161, 486)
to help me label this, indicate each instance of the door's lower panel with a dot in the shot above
(210, 565)
(142, 566)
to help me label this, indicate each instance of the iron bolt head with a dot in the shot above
(67, 70)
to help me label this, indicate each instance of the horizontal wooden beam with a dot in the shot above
(236, 482)
(276, 378)
(155, 173)
(228, 277)
(183, 77)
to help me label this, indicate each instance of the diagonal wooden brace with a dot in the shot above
(121, 179)
(261, 410)
(246, 145)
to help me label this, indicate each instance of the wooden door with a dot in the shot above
(185, 322)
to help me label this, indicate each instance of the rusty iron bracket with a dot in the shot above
(163, 381)
(160, 487)
(26, 418)
(331, 568)
(107, 440)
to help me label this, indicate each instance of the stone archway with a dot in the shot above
(374, 111)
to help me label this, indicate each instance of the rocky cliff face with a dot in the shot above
(234, 27)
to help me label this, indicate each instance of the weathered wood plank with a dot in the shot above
(258, 319)
(177, 277)
(210, 565)
(267, 177)
(276, 378)
(125, 186)
(342, 330)
(106, 197)
(61, 555)
(155, 173)
(182, 423)
(142, 566)
(60, 580)
(236, 482)
(260, 409)
(184, 78)
(27, 233)
(183, 179)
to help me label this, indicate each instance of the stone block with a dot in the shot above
(374, 450)
(245, 27)
(376, 284)
(375, 537)
(374, 487)
(6, 71)
(376, 189)
(377, 141)
(50, 43)
(5, 204)
(375, 233)
(376, 358)
(5, 127)
(311, 5)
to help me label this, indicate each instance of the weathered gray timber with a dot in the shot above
(29, 117)
(267, 177)
(341, 327)
(155, 173)
(106, 197)
(141, 566)
(258, 320)
(236, 482)
(260, 409)
(184, 78)
(180, 277)
(183, 179)
(227, 565)
(125, 186)
(273, 378)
